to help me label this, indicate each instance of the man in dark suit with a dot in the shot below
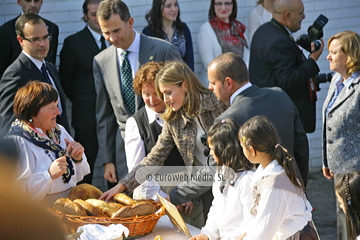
(34, 39)
(76, 75)
(9, 45)
(228, 76)
(276, 61)
(114, 69)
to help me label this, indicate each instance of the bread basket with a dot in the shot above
(137, 225)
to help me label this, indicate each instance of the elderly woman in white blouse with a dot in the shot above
(51, 162)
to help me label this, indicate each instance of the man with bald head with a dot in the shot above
(9, 45)
(277, 61)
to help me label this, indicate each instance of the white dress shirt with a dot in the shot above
(230, 210)
(97, 37)
(135, 152)
(34, 163)
(133, 56)
(280, 213)
(38, 64)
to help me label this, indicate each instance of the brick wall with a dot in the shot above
(343, 15)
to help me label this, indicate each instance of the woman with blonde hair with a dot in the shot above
(190, 111)
(341, 114)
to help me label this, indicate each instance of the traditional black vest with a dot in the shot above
(149, 134)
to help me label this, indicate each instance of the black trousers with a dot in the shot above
(88, 139)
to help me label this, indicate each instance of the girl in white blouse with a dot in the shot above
(230, 210)
(281, 210)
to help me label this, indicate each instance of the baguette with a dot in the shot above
(124, 199)
(90, 209)
(67, 206)
(139, 209)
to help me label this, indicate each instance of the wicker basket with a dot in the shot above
(137, 225)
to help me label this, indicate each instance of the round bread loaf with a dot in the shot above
(67, 206)
(90, 209)
(84, 191)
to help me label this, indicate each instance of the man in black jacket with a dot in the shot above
(276, 60)
(76, 76)
(9, 45)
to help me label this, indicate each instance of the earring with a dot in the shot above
(30, 120)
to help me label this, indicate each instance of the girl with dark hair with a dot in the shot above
(231, 188)
(220, 34)
(280, 210)
(347, 189)
(164, 22)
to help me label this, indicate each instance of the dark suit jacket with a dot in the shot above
(276, 61)
(20, 72)
(275, 105)
(111, 111)
(77, 79)
(10, 47)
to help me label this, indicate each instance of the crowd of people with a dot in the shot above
(137, 103)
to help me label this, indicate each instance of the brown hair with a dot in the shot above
(146, 75)
(212, 14)
(109, 7)
(260, 133)
(31, 97)
(350, 45)
(30, 18)
(176, 73)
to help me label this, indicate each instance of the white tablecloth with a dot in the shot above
(165, 229)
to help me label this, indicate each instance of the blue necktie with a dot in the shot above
(126, 75)
(103, 45)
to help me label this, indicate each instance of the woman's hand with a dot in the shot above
(187, 207)
(199, 237)
(58, 167)
(107, 196)
(328, 173)
(74, 149)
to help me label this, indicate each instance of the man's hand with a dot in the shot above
(107, 196)
(328, 173)
(316, 54)
(110, 172)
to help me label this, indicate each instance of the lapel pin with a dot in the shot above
(151, 58)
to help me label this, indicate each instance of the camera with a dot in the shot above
(323, 78)
(315, 32)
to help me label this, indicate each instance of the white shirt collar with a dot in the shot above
(37, 62)
(134, 47)
(239, 91)
(154, 116)
(96, 35)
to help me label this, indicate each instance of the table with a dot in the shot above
(165, 228)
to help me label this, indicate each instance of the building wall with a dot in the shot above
(343, 15)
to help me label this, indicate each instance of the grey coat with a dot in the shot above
(341, 129)
(111, 111)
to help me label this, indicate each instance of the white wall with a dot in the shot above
(343, 15)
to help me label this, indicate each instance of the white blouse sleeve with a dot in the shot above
(211, 228)
(246, 200)
(134, 145)
(37, 184)
(204, 42)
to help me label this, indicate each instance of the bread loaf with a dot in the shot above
(85, 191)
(103, 206)
(139, 209)
(67, 206)
(91, 210)
(124, 199)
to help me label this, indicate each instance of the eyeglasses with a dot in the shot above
(203, 139)
(219, 4)
(38, 39)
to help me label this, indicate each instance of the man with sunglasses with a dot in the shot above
(9, 45)
(34, 38)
